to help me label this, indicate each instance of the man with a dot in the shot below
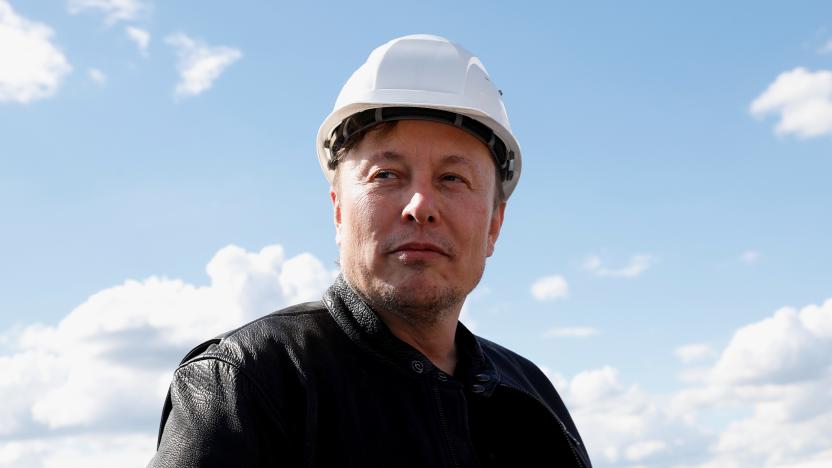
(421, 161)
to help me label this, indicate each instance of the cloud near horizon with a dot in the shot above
(765, 402)
(88, 391)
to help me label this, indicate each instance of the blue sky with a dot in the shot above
(677, 163)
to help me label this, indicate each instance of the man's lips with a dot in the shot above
(420, 247)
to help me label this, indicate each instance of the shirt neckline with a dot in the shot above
(364, 327)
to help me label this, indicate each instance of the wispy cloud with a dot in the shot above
(826, 48)
(570, 332)
(113, 10)
(139, 36)
(97, 76)
(549, 288)
(31, 66)
(750, 256)
(638, 264)
(199, 64)
(88, 391)
(695, 352)
(803, 101)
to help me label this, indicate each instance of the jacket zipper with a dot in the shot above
(571, 440)
(443, 422)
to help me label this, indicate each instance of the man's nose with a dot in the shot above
(420, 208)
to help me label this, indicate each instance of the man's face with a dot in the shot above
(415, 216)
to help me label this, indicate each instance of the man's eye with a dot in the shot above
(452, 178)
(384, 175)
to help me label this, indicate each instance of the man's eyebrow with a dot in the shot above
(393, 156)
(385, 156)
(457, 159)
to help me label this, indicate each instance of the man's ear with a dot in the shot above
(494, 227)
(336, 212)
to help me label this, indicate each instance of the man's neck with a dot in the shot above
(436, 341)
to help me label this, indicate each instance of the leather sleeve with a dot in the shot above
(219, 417)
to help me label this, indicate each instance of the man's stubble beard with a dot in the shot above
(424, 307)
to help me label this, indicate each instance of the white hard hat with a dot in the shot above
(422, 77)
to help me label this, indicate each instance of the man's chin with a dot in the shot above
(415, 280)
(420, 298)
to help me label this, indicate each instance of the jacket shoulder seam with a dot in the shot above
(247, 375)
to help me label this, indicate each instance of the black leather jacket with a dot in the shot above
(327, 384)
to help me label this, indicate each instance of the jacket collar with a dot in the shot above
(367, 330)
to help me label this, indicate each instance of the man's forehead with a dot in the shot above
(388, 155)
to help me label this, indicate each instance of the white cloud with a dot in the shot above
(826, 48)
(791, 346)
(771, 437)
(645, 449)
(139, 36)
(765, 402)
(97, 76)
(549, 288)
(88, 391)
(695, 352)
(775, 374)
(113, 10)
(750, 256)
(638, 265)
(106, 366)
(623, 424)
(199, 64)
(31, 66)
(803, 100)
(96, 450)
(570, 332)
